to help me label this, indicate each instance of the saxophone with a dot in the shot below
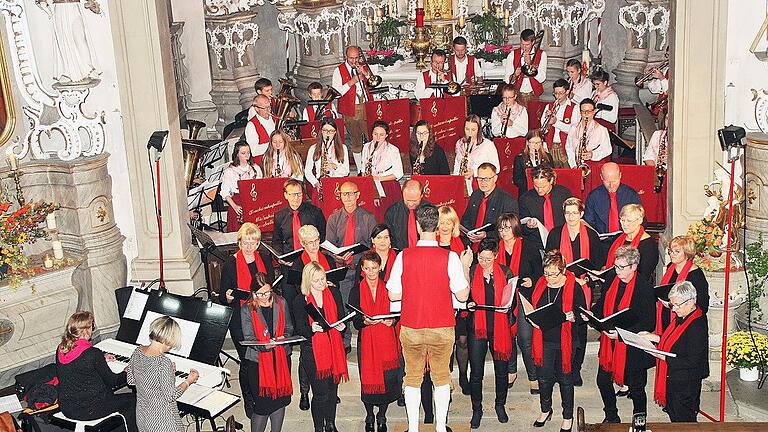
(506, 122)
(465, 159)
(417, 164)
(369, 163)
(278, 169)
(661, 163)
(323, 167)
(581, 163)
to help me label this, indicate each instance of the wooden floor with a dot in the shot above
(682, 427)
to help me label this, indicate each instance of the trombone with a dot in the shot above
(641, 80)
(531, 70)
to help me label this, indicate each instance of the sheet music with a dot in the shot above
(10, 403)
(396, 306)
(543, 231)
(136, 305)
(379, 188)
(222, 239)
(194, 394)
(217, 402)
(189, 331)
(637, 341)
(468, 182)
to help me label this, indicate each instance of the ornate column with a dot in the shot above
(636, 56)
(147, 89)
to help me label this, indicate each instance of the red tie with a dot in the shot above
(481, 213)
(296, 225)
(613, 215)
(413, 234)
(549, 219)
(349, 232)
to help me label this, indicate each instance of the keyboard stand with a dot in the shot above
(201, 414)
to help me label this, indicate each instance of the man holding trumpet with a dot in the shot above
(435, 75)
(350, 80)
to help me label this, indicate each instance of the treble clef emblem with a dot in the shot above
(314, 131)
(507, 150)
(337, 191)
(427, 189)
(434, 108)
(254, 194)
(379, 113)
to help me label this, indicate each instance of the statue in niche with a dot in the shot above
(438, 9)
(73, 49)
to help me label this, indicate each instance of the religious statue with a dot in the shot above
(73, 49)
(717, 205)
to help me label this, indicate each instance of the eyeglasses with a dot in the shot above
(679, 305)
(293, 194)
(425, 133)
(674, 251)
(485, 179)
(312, 242)
(261, 107)
(505, 228)
(348, 194)
(587, 111)
(265, 294)
(249, 243)
(622, 267)
(551, 275)
(509, 97)
(559, 93)
(329, 130)
(572, 213)
(485, 259)
(626, 219)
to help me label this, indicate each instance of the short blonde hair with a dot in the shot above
(686, 243)
(573, 201)
(309, 272)
(249, 230)
(448, 213)
(308, 232)
(166, 331)
(634, 210)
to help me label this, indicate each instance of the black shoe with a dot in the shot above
(381, 426)
(622, 393)
(429, 419)
(304, 402)
(569, 429)
(612, 420)
(578, 382)
(331, 428)
(477, 415)
(338, 400)
(534, 391)
(348, 349)
(541, 424)
(401, 401)
(369, 427)
(501, 413)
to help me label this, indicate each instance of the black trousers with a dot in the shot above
(635, 379)
(242, 377)
(523, 341)
(683, 400)
(304, 380)
(551, 372)
(324, 393)
(579, 348)
(477, 351)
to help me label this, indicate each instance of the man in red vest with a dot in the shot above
(259, 128)
(435, 75)
(426, 278)
(317, 112)
(349, 79)
(561, 115)
(465, 68)
(526, 54)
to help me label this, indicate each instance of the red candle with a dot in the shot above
(419, 17)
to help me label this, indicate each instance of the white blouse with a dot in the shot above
(652, 151)
(581, 90)
(518, 117)
(386, 160)
(285, 168)
(598, 141)
(610, 98)
(478, 155)
(232, 174)
(312, 167)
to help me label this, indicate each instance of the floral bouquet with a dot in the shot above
(708, 236)
(17, 228)
(383, 57)
(740, 350)
(493, 53)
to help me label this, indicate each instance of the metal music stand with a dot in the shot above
(214, 154)
(202, 195)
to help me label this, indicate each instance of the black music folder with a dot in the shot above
(287, 257)
(608, 323)
(662, 291)
(246, 295)
(315, 314)
(580, 266)
(341, 250)
(334, 275)
(374, 317)
(546, 317)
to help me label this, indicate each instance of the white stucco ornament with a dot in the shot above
(643, 20)
(760, 98)
(237, 36)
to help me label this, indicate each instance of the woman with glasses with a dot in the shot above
(681, 251)
(427, 158)
(241, 168)
(237, 274)
(553, 347)
(489, 329)
(533, 155)
(633, 234)
(266, 318)
(543, 204)
(509, 119)
(472, 150)
(327, 158)
(678, 379)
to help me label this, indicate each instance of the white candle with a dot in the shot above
(58, 251)
(12, 162)
(48, 263)
(50, 221)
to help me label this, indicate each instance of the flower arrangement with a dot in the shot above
(17, 228)
(740, 350)
(707, 235)
(493, 53)
(387, 33)
(489, 28)
(383, 57)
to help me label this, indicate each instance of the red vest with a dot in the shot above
(427, 78)
(260, 129)
(538, 89)
(470, 68)
(427, 297)
(328, 113)
(567, 119)
(346, 104)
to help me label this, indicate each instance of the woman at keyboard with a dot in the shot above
(153, 375)
(85, 380)
(266, 318)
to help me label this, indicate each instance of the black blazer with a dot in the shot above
(499, 202)
(282, 237)
(301, 327)
(435, 164)
(649, 258)
(519, 168)
(291, 291)
(396, 218)
(597, 248)
(229, 282)
(692, 349)
(532, 205)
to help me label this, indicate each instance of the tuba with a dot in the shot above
(193, 150)
(530, 70)
(581, 163)
(286, 102)
(661, 163)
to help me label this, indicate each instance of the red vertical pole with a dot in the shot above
(726, 292)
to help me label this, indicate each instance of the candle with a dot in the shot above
(461, 21)
(419, 17)
(48, 263)
(506, 17)
(50, 221)
(12, 161)
(58, 251)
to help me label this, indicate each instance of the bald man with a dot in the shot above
(350, 81)
(401, 216)
(604, 202)
(260, 127)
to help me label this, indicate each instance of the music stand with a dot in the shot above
(482, 105)
(215, 153)
(202, 195)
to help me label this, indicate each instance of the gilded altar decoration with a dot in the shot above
(438, 9)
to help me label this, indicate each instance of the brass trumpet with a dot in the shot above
(452, 86)
(531, 70)
(641, 80)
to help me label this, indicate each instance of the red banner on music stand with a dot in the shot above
(568, 177)
(396, 112)
(312, 130)
(641, 178)
(332, 200)
(508, 148)
(261, 199)
(446, 115)
(535, 111)
(445, 190)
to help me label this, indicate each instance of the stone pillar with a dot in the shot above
(756, 190)
(140, 31)
(633, 64)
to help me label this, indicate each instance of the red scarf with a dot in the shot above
(457, 245)
(295, 225)
(567, 251)
(613, 354)
(620, 242)
(481, 212)
(549, 217)
(413, 233)
(502, 338)
(613, 213)
(328, 346)
(666, 342)
(566, 340)
(274, 373)
(243, 274)
(391, 256)
(378, 344)
(321, 259)
(667, 278)
(514, 262)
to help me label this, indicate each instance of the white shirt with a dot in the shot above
(342, 87)
(652, 151)
(598, 142)
(386, 160)
(518, 117)
(479, 154)
(607, 97)
(252, 137)
(461, 69)
(421, 91)
(457, 280)
(659, 85)
(559, 125)
(581, 90)
(305, 114)
(312, 168)
(285, 167)
(541, 74)
(233, 174)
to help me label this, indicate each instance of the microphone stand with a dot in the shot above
(158, 155)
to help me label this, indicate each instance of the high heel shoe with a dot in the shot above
(567, 430)
(542, 423)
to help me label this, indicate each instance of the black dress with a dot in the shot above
(435, 164)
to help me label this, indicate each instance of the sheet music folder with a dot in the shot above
(546, 317)
(315, 314)
(662, 291)
(246, 295)
(608, 323)
(334, 275)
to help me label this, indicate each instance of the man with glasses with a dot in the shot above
(487, 203)
(619, 362)
(260, 127)
(353, 87)
(606, 201)
(560, 115)
(588, 142)
(289, 219)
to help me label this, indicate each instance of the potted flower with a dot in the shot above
(17, 228)
(741, 352)
(488, 27)
(757, 271)
(493, 53)
(388, 33)
(385, 58)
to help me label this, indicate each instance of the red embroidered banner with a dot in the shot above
(446, 115)
(396, 112)
(312, 130)
(508, 148)
(641, 178)
(332, 199)
(445, 190)
(261, 199)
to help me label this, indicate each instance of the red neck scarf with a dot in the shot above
(613, 354)
(667, 278)
(391, 256)
(565, 243)
(274, 373)
(457, 245)
(549, 218)
(502, 338)
(413, 234)
(566, 340)
(244, 274)
(514, 262)
(321, 259)
(328, 346)
(295, 225)
(481, 212)
(620, 240)
(378, 344)
(613, 214)
(666, 342)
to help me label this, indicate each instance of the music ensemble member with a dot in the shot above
(381, 159)
(241, 168)
(543, 204)
(633, 234)
(557, 120)
(527, 55)
(328, 157)
(281, 159)
(426, 157)
(509, 119)
(349, 79)
(400, 217)
(260, 127)
(605, 95)
(487, 203)
(263, 86)
(435, 75)
(534, 154)
(290, 218)
(588, 141)
(604, 202)
(473, 149)
(315, 112)
(681, 251)
(465, 68)
(579, 82)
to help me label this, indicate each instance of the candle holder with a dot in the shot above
(420, 45)
(16, 175)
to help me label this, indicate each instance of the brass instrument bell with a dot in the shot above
(531, 70)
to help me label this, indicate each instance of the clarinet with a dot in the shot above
(661, 163)
(506, 122)
(417, 164)
(278, 169)
(369, 162)
(580, 162)
(323, 167)
(533, 161)
(465, 159)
